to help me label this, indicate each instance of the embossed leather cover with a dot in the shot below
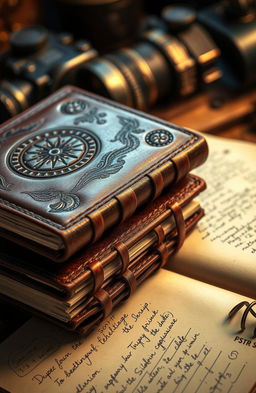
(66, 283)
(76, 164)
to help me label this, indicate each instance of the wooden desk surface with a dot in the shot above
(218, 115)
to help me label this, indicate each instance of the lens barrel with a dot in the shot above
(137, 76)
(15, 96)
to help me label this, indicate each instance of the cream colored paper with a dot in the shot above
(222, 250)
(170, 337)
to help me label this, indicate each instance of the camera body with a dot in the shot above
(232, 25)
(178, 54)
(37, 63)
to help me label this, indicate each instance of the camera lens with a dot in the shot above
(104, 78)
(136, 76)
(160, 64)
(182, 67)
(143, 74)
(15, 96)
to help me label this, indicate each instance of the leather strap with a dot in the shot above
(158, 181)
(98, 274)
(180, 224)
(160, 234)
(129, 202)
(105, 300)
(164, 254)
(123, 252)
(131, 282)
(181, 163)
(98, 224)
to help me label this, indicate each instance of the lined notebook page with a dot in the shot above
(222, 249)
(170, 337)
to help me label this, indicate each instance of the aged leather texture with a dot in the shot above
(19, 263)
(77, 164)
(116, 291)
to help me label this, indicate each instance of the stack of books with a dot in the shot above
(94, 198)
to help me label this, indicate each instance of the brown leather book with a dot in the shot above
(76, 164)
(80, 292)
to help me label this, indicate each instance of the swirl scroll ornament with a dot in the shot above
(113, 161)
(91, 116)
(3, 184)
(109, 164)
(66, 201)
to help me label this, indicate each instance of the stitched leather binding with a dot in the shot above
(66, 178)
(105, 299)
(73, 274)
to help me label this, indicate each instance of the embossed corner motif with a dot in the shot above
(109, 164)
(159, 137)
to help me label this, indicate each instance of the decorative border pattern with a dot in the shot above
(65, 92)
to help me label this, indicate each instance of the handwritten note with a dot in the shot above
(230, 198)
(169, 338)
(224, 242)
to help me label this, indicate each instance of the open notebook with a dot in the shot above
(222, 249)
(171, 337)
(173, 334)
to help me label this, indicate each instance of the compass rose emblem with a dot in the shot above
(54, 153)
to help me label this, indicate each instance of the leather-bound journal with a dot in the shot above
(75, 165)
(77, 294)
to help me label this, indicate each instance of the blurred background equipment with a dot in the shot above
(107, 24)
(173, 59)
(232, 24)
(37, 63)
(15, 14)
(192, 62)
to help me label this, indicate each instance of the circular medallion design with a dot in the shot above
(73, 107)
(159, 137)
(54, 153)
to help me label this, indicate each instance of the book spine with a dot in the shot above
(124, 204)
(132, 275)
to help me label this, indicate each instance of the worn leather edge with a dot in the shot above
(68, 282)
(93, 308)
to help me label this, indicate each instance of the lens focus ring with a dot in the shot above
(179, 58)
